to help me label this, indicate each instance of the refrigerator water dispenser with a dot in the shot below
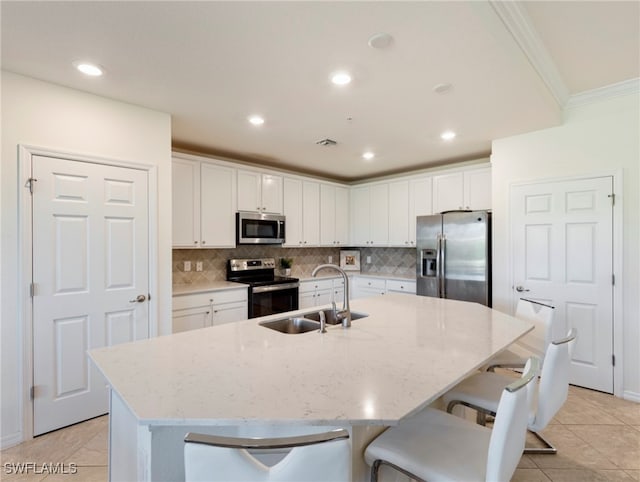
(429, 263)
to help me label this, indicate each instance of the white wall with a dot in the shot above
(602, 136)
(53, 117)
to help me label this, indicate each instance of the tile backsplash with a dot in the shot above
(398, 262)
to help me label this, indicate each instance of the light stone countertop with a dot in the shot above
(403, 356)
(195, 288)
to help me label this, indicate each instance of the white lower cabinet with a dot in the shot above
(318, 292)
(193, 311)
(365, 287)
(401, 286)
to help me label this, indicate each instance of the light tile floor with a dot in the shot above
(597, 436)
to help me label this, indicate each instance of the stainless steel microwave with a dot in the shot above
(256, 228)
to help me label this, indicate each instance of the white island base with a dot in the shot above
(243, 379)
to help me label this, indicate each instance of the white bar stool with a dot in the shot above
(434, 445)
(533, 343)
(313, 458)
(481, 391)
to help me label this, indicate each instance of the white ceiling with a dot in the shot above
(212, 64)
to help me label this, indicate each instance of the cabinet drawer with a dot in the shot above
(401, 286)
(183, 302)
(313, 285)
(372, 283)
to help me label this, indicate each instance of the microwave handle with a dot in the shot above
(280, 230)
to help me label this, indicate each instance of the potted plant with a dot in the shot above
(285, 266)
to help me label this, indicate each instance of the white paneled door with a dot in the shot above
(562, 254)
(91, 280)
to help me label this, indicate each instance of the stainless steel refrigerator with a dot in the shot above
(454, 256)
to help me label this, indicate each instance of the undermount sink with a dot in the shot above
(330, 316)
(292, 326)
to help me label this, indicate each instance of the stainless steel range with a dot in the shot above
(268, 293)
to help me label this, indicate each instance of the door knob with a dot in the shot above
(138, 299)
(520, 289)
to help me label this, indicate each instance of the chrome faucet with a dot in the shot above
(344, 314)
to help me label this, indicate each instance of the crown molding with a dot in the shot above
(517, 22)
(626, 87)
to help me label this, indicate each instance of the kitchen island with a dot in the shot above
(247, 380)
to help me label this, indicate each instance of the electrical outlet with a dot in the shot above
(198, 265)
(368, 259)
(330, 260)
(187, 266)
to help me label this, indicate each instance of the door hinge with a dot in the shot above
(32, 290)
(613, 279)
(29, 184)
(32, 393)
(612, 196)
(613, 360)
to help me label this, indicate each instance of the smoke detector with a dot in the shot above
(326, 142)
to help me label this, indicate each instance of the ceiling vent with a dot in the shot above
(326, 142)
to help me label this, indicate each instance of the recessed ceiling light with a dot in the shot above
(87, 68)
(448, 135)
(256, 120)
(442, 88)
(380, 40)
(341, 78)
(368, 155)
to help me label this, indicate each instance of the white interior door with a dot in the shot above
(562, 254)
(90, 265)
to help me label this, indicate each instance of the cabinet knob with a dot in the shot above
(195, 242)
(264, 208)
(406, 242)
(305, 242)
(300, 242)
(204, 242)
(258, 208)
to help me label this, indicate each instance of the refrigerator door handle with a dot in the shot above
(438, 264)
(443, 264)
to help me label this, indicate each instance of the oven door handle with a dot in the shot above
(267, 289)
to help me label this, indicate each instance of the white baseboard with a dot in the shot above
(10, 440)
(631, 396)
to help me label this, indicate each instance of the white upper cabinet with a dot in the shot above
(370, 215)
(462, 190)
(407, 199)
(217, 206)
(399, 217)
(203, 204)
(302, 212)
(420, 203)
(259, 192)
(293, 212)
(477, 189)
(334, 215)
(342, 216)
(185, 188)
(310, 213)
